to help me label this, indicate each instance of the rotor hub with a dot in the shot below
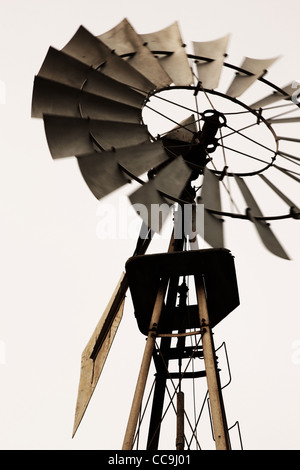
(225, 129)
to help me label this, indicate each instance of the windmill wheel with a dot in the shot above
(139, 107)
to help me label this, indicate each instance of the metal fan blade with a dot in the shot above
(287, 172)
(93, 52)
(151, 201)
(126, 42)
(292, 206)
(178, 140)
(209, 71)
(67, 70)
(283, 120)
(184, 132)
(175, 61)
(50, 97)
(289, 156)
(141, 158)
(211, 198)
(107, 171)
(289, 139)
(275, 96)
(67, 136)
(263, 229)
(97, 349)
(242, 81)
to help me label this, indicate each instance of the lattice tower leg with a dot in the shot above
(219, 421)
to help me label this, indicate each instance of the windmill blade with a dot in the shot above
(50, 97)
(185, 131)
(67, 70)
(209, 71)
(263, 229)
(178, 140)
(289, 156)
(175, 61)
(286, 94)
(211, 198)
(126, 42)
(151, 201)
(67, 136)
(256, 68)
(93, 52)
(283, 120)
(107, 171)
(288, 173)
(291, 205)
(289, 139)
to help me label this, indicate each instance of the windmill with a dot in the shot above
(210, 153)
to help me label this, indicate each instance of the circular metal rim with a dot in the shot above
(240, 103)
(256, 113)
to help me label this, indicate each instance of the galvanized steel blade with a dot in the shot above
(283, 120)
(209, 71)
(184, 132)
(107, 171)
(87, 48)
(288, 201)
(286, 94)
(242, 81)
(126, 42)
(289, 156)
(67, 136)
(50, 97)
(211, 198)
(151, 200)
(67, 70)
(151, 206)
(175, 61)
(287, 172)
(267, 236)
(288, 139)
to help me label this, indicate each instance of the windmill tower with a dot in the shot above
(211, 152)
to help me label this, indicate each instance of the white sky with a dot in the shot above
(57, 275)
